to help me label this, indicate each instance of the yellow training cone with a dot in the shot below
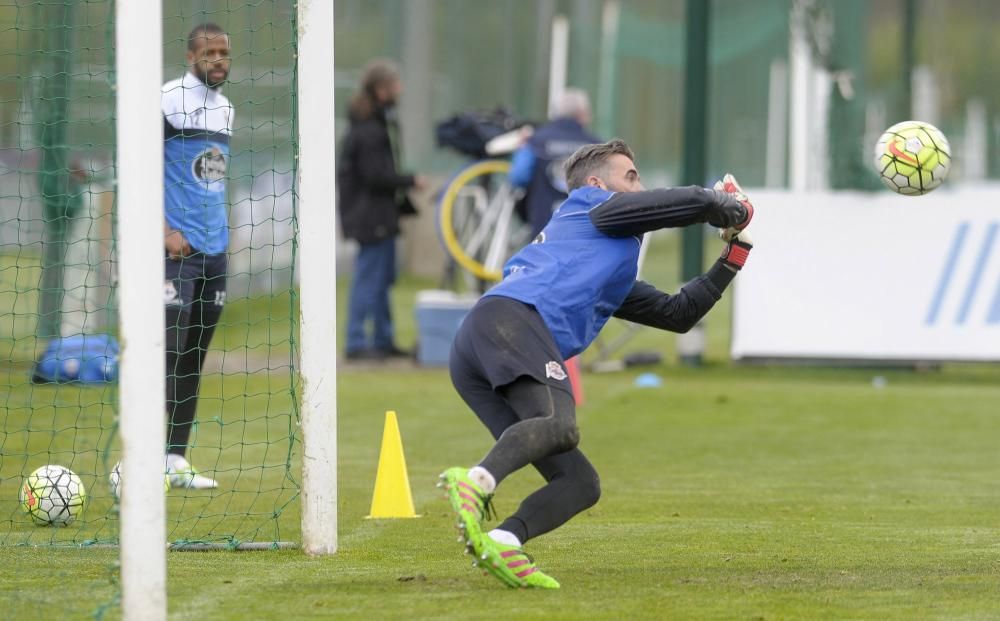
(392, 498)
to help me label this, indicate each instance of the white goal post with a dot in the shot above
(138, 40)
(317, 230)
(139, 46)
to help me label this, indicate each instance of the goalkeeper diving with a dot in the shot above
(508, 358)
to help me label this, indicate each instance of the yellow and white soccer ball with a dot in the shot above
(53, 496)
(912, 158)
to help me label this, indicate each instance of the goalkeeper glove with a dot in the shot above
(737, 249)
(738, 204)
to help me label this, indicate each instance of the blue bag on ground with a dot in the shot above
(85, 358)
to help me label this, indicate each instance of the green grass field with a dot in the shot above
(729, 493)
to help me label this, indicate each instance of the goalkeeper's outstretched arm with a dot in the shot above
(647, 305)
(634, 213)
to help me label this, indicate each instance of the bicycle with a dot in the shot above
(477, 220)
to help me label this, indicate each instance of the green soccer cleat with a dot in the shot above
(468, 501)
(511, 565)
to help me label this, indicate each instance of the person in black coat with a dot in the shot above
(372, 197)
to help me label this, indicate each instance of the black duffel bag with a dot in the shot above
(468, 132)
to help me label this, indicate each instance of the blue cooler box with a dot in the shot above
(439, 314)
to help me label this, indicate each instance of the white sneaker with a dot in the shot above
(182, 474)
(115, 479)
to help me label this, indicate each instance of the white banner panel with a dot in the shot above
(871, 277)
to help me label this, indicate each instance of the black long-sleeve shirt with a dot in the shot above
(636, 213)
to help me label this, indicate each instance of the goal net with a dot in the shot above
(58, 267)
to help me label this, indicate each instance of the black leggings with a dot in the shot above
(534, 424)
(189, 333)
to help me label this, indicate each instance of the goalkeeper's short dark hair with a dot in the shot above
(592, 158)
(208, 30)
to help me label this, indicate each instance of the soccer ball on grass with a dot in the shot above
(53, 496)
(912, 157)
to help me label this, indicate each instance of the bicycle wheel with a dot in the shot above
(477, 222)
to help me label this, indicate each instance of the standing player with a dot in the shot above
(198, 123)
(557, 293)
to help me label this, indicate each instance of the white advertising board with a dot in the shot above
(871, 277)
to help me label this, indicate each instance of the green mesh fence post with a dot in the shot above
(695, 134)
(607, 83)
(584, 53)
(909, 54)
(56, 21)
(849, 166)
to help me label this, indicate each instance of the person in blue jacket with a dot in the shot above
(507, 359)
(537, 166)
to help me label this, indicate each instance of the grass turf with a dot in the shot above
(729, 492)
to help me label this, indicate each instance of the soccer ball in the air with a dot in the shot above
(53, 496)
(115, 480)
(912, 157)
